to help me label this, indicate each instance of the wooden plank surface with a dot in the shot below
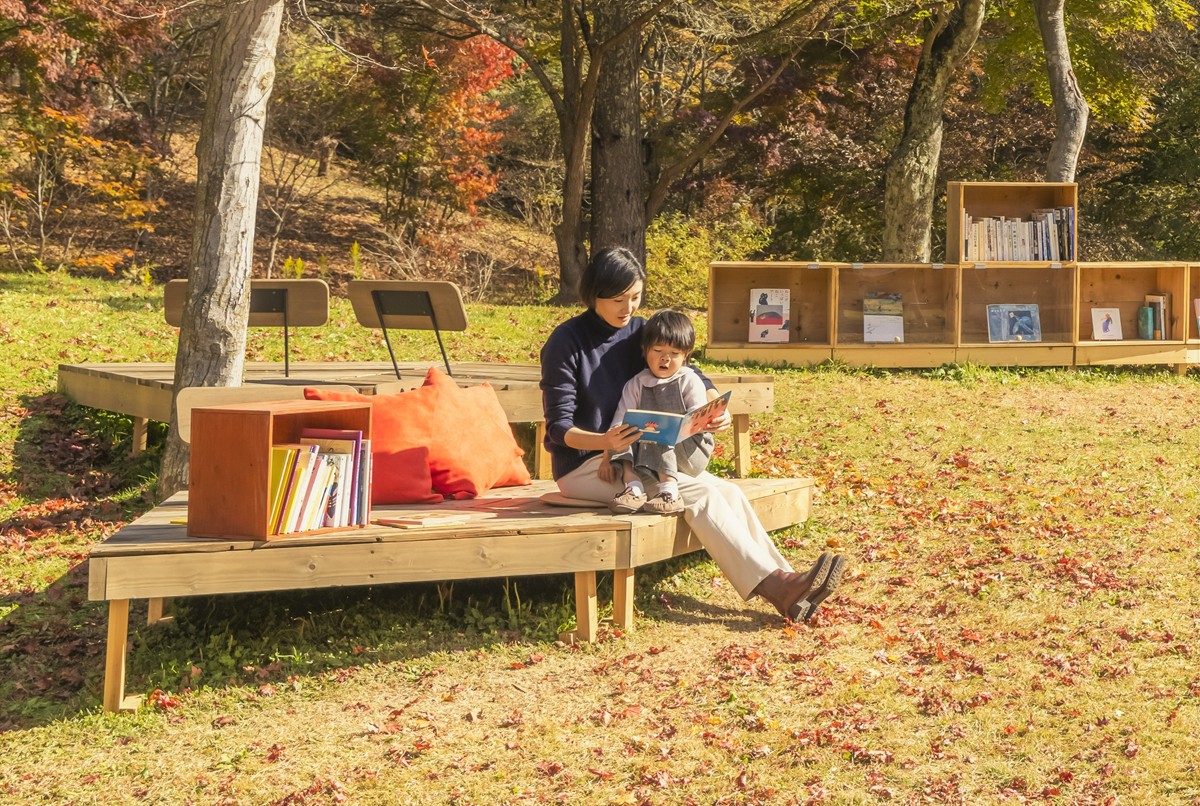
(507, 534)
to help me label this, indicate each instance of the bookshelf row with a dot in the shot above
(916, 315)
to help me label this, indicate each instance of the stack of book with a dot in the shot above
(322, 481)
(1049, 234)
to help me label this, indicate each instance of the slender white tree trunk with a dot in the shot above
(1070, 108)
(212, 340)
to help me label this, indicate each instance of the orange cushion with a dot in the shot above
(399, 444)
(470, 445)
(473, 449)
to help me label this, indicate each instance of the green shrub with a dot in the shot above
(679, 249)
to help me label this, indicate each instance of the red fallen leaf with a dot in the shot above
(536, 657)
(267, 690)
(421, 745)
(516, 665)
(1065, 775)
(160, 699)
(549, 768)
(91, 779)
(603, 775)
(275, 752)
(222, 721)
(1131, 747)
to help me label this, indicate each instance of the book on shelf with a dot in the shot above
(1145, 322)
(1047, 235)
(283, 461)
(1014, 322)
(1161, 326)
(298, 487)
(1106, 324)
(362, 498)
(770, 315)
(883, 318)
(418, 520)
(320, 482)
(665, 428)
(342, 441)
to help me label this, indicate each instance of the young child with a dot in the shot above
(668, 385)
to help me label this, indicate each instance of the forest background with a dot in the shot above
(401, 142)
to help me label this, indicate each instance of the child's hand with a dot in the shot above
(607, 470)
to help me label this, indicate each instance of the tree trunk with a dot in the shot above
(573, 116)
(618, 167)
(912, 171)
(212, 340)
(1070, 109)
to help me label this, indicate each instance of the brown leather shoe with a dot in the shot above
(786, 590)
(822, 591)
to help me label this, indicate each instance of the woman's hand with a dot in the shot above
(619, 437)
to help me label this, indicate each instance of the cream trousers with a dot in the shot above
(716, 510)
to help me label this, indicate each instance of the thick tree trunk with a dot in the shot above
(618, 167)
(912, 170)
(1070, 109)
(212, 340)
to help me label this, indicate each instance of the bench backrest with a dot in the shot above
(306, 301)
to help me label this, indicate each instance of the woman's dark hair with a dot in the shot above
(610, 272)
(671, 328)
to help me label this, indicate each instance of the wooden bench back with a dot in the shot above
(307, 302)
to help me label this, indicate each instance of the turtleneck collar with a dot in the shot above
(597, 323)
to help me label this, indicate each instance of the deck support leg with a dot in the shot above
(587, 619)
(139, 436)
(623, 597)
(114, 656)
(158, 610)
(741, 445)
(541, 457)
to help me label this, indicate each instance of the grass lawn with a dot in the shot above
(1020, 621)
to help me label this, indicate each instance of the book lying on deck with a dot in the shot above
(668, 429)
(419, 519)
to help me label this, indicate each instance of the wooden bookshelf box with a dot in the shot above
(926, 294)
(810, 288)
(1123, 287)
(1012, 200)
(1052, 290)
(230, 462)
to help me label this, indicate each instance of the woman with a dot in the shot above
(585, 364)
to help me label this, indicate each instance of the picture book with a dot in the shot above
(418, 520)
(668, 429)
(1014, 322)
(770, 315)
(1106, 324)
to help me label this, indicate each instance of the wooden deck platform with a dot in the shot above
(143, 391)
(510, 532)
